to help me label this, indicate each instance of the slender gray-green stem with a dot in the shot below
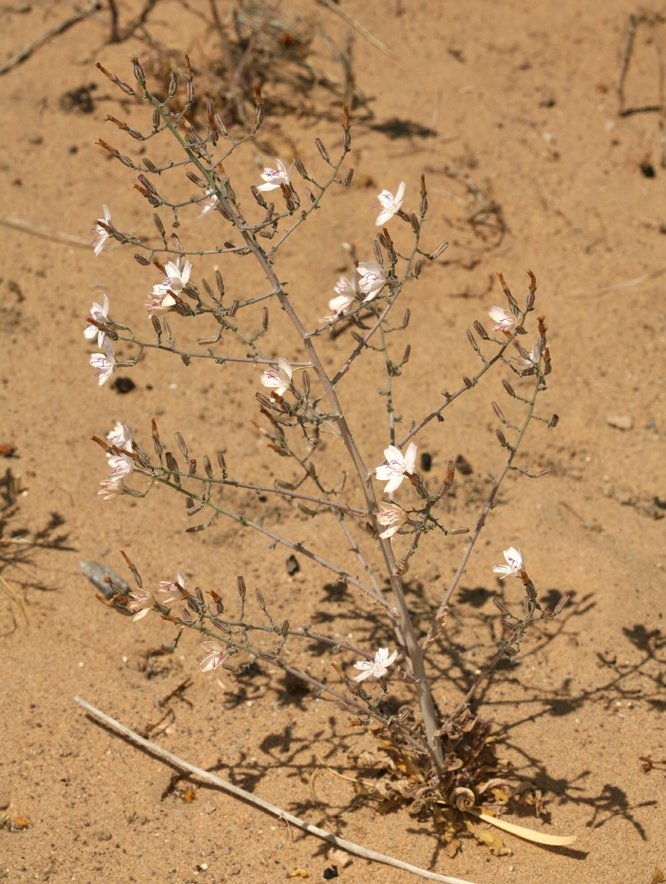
(438, 621)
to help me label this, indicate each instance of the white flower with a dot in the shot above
(177, 277)
(532, 358)
(121, 465)
(390, 204)
(372, 281)
(101, 234)
(278, 379)
(141, 602)
(209, 204)
(505, 321)
(275, 178)
(397, 465)
(111, 488)
(514, 563)
(376, 668)
(339, 306)
(158, 304)
(345, 297)
(173, 591)
(103, 363)
(215, 658)
(392, 517)
(344, 286)
(121, 437)
(100, 313)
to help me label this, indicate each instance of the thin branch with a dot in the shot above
(255, 801)
(65, 25)
(364, 32)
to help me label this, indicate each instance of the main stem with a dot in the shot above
(414, 651)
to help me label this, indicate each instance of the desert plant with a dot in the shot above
(439, 756)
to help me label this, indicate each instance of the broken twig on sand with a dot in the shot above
(206, 777)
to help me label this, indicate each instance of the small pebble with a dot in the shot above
(620, 421)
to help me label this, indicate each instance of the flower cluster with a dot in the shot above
(103, 363)
(120, 461)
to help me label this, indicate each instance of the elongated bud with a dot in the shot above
(182, 445)
(219, 282)
(442, 247)
(126, 88)
(319, 144)
(222, 464)
(156, 438)
(189, 81)
(480, 330)
(139, 74)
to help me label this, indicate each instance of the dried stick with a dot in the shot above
(27, 51)
(27, 227)
(619, 286)
(364, 32)
(236, 791)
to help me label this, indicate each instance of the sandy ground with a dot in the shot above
(511, 110)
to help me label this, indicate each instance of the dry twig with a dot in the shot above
(205, 776)
(27, 51)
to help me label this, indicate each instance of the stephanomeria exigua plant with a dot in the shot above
(439, 756)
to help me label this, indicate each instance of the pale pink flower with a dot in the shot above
(345, 297)
(275, 178)
(390, 204)
(172, 591)
(376, 668)
(514, 564)
(177, 277)
(209, 204)
(121, 437)
(339, 306)
(101, 234)
(141, 603)
(111, 488)
(278, 378)
(159, 304)
(396, 467)
(372, 281)
(100, 313)
(121, 465)
(505, 321)
(532, 358)
(390, 517)
(345, 287)
(103, 363)
(215, 657)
